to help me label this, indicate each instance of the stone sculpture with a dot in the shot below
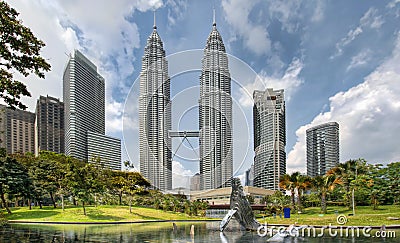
(240, 209)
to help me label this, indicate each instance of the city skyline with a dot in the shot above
(296, 46)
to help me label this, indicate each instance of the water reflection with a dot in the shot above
(149, 232)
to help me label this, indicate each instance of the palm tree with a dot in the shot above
(290, 183)
(303, 183)
(325, 184)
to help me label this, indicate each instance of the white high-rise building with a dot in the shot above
(84, 110)
(215, 115)
(322, 148)
(269, 138)
(155, 115)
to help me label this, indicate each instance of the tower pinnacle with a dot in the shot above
(154, 16)
(214, 23)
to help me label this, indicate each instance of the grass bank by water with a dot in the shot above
(102, 214)
(365, 215)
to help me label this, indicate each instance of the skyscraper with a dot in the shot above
(84, 111)
(17, 130)
(322, 148)
(49, 125)
(155, 115)
(215, 115)
(269, 122)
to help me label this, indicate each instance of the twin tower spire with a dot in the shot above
(215, 115)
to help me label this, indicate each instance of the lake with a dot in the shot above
(155, 232)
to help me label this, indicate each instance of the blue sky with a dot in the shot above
(336, 60)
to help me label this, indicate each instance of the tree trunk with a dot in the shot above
(53, 200)
(130, 204)
(3, 200)
(74, 201)
(62, 201)
(323, 202)
(299, 200)
(120, 198)
(30, 204)
(40, 204)
(292, 196)
(84, 209)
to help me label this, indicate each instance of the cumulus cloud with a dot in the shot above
(255, 36)
(368, 116)
(371, 19)
(180, 175)
(289, 81)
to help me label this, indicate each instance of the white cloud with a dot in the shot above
(176, 11)
(368, 116)
(255, 36)
(360, 59)
(286, 12)
(180, 175)
(319, 11)
(393, 3)
(351, 35)
(289, 81)
(370, 19)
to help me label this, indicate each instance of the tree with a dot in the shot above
(303, 184)
(14, 180)
(83, 181)
(20, 51)
(131, 183)
(325, 184)
(290, 183)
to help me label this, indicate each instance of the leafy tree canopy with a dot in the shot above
(19, 51)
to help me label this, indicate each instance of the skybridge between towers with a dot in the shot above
(184, 135)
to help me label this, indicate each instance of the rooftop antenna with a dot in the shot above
(154, 15)
(214, 23)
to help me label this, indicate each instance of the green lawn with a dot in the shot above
(94, 214)
(365, 215)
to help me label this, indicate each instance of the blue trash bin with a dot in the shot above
(286, 213)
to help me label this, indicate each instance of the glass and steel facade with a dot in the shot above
(106, 149)
(155, 154)
(215, 115)
(84, 109)
(269, 122)
(322, 148)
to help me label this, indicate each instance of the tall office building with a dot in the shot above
(322, 148)
(155, 115)
(269, 123)
(107, 148)
(49, 125)
(84, 109)
(17, 130)
(215, 115)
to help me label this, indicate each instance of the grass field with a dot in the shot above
(310, 216)
(93, 214)
(365, 215)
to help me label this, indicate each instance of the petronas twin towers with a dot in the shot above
(215, 115)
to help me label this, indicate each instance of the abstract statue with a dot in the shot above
(240, 209)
